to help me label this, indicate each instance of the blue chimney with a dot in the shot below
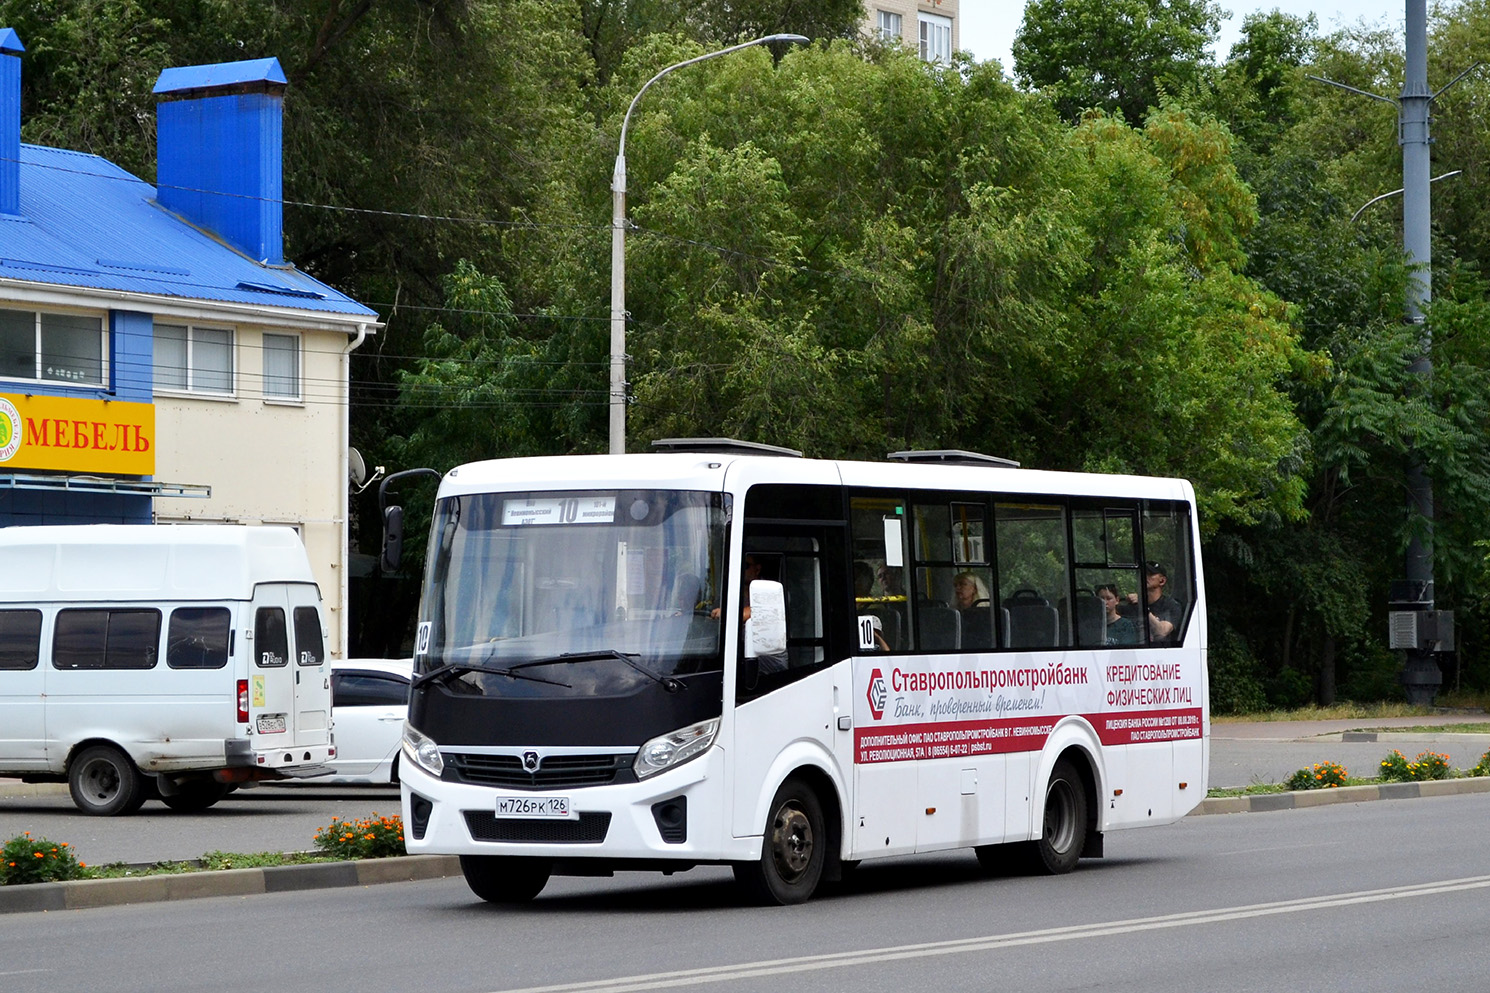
(10, 121)
(219, 142)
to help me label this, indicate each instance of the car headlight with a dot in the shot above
(422, 751)
(675, 748)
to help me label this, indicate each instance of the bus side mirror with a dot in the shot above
(765, 632)
(393, 537)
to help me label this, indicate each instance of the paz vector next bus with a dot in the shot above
(724, 653)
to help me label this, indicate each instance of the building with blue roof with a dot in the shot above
(160, 360)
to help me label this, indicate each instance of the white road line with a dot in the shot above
(836, 960)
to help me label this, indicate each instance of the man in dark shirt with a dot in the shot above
(1164, 612)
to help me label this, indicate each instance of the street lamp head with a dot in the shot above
(795, 39)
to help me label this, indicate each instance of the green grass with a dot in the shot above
(1347, 710)
(211, 862)
(1478, 727)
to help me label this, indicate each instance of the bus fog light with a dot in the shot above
(675, 748)
(422, 751)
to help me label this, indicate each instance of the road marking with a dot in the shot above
(868, 956)
(24, 972)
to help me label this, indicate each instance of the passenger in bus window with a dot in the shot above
(863, 581)
(968, 591)
(1120, 630)
(1163, 611)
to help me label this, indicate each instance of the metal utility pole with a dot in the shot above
(618, 245)
(1416, 627)
(1422, 677)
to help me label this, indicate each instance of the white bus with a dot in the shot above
(170, 661)
(972, 655)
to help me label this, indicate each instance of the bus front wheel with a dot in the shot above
(505, 879)
(793, 850)
(1058, 848)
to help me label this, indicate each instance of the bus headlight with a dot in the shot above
(675, 748)
(422, 751)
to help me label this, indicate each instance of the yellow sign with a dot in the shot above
(70, 434)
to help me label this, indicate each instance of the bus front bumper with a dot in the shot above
(680, 815)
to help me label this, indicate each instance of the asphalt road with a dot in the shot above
(1384, 896)
(286, 818)
(265, 818)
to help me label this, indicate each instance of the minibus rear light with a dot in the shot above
(242, 701)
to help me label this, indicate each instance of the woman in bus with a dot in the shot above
(968, 591)
(1120, 630)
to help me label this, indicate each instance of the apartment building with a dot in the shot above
(160, 360)
(929, 27)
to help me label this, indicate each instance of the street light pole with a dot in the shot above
(618, 247)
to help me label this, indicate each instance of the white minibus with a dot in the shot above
(176, 661)
(723, 653)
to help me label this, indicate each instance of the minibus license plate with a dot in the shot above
(271, 723)
(556, 807)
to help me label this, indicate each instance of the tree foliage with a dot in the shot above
(1115, 55)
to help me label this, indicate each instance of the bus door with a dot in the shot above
(271, 671)
(312, 678)
(22, 690)
(782, 701)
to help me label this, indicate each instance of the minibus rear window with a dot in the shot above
(20, 639)
(308, 640)
(198, 638)
(271, 640)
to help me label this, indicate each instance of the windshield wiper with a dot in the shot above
(669, 683)
(457, 668)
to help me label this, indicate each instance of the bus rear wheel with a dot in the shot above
(1059, 846)
(104, 782)
(505, 879)
(793, 850)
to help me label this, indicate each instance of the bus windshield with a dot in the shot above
(538, 576)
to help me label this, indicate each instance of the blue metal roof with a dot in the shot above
(222, 74)
(85, 222)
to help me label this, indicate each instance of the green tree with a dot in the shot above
(1115, 55)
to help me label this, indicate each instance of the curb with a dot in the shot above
(83, 893)
(1300, 799)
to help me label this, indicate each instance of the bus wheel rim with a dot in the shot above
(791, 843)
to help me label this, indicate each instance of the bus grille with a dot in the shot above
(558, 772)
(589, 829)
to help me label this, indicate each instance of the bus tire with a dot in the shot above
(793, 850)
(1058, 848)
(190, 798)
(104, 782)
(505, 879)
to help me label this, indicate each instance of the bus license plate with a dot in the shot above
(271, 723)
(556, 807)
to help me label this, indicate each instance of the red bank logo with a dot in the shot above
(877, 694)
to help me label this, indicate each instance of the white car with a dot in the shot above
(369, 701)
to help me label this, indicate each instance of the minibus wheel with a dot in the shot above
(793, 850)
(505, 878)
(1059, 847)
(104, 782)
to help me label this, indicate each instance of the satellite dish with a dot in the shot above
(356, 468)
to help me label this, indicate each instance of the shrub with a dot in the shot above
(1236, 684)
(1394, 767)
(1428, 765)
(28, 860)
(1482, 768)
(369, 838)
(1320, 776)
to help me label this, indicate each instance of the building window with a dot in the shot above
(936, 37)
(64, 348)
(282, 366)
(889, 25)
(192, 359)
